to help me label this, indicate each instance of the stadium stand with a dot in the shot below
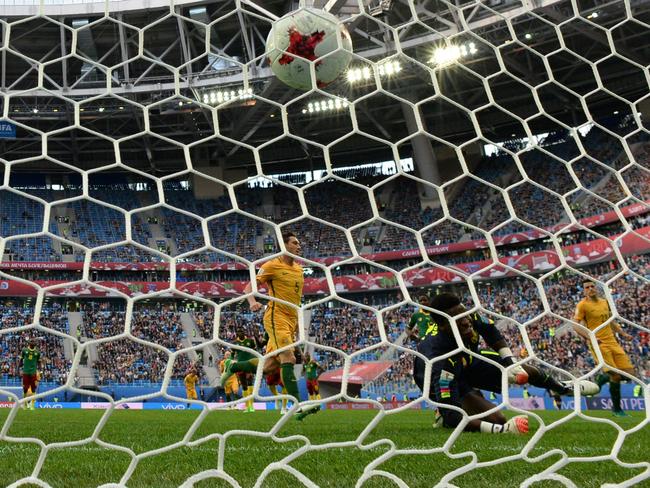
(91, 224)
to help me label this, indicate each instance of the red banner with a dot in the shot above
(360, 373)
(101, 266)
(593, 221)
(541, 261)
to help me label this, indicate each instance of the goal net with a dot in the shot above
(151, 161)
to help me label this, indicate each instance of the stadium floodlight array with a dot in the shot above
(448, 55)
(443, 56)
(384, 68)
(326, 105)
(218, 96)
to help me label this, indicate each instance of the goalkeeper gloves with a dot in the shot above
(516, 374)
(516, 425)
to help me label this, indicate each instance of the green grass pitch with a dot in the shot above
(247, 455)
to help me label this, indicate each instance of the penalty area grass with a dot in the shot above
(247, 453)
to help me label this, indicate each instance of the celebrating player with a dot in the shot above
(245, 378)
(420, 320)
(593, 311)
(312, 370)
(455, 381)
(284, 279)
(190, 380)
(232, 385)
(31, 362)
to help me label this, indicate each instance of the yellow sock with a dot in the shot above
(284, 400)
(249, 402)
(26, 396)
(318, 396)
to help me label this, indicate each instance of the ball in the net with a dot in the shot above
(304, 36)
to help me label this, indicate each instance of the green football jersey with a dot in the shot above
(248, 342)
(423, 321)
(311, 370)
(30, 358)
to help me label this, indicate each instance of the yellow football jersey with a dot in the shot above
(190, 380)
(594, 313)
(284, 282)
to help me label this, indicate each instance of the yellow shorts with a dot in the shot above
(281, 329)
(190, 393)
(231, 386)
(614, 356)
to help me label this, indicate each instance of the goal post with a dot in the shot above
(151, 162)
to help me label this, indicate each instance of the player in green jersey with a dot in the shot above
(246, 379)
(421, 321)
(312, 371)
(31, 360)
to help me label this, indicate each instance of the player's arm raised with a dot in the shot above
(488, 330)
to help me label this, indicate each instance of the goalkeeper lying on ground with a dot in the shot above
(457, 379)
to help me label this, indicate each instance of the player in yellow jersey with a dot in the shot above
(190, 380)
(232, 385)
(283, 277)
(593, 311)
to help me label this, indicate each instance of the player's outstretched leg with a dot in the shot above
(544, 380)
(231, 367)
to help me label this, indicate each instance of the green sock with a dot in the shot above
(615, 391)
(249, 366)
(289, 380)
(601, 379)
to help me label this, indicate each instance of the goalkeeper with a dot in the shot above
(457, 379)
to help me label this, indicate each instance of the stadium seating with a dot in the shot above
(55, 366)
(126, 361)
(348, 328)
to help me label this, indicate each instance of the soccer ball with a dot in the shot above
(307, 35)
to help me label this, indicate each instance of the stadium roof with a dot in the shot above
(545, 56)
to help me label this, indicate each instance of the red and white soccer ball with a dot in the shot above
(307, 35)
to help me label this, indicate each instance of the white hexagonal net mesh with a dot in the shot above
(505, 123)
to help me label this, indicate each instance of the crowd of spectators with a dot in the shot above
(337, 202)
(98, 321)
(128, 361)
(553, 173)
(55, 366)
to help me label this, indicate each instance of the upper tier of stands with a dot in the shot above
(554, 168)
